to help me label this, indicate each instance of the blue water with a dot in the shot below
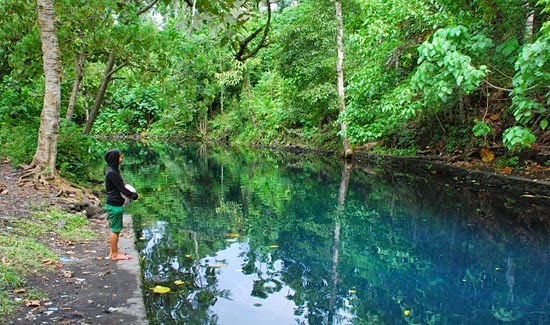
(259, 237)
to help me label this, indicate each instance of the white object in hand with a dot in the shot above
(128, 200)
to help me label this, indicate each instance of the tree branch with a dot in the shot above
(149, 6)
(244, 44)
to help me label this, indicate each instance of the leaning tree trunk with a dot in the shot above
(100, 96)
(79, 67)
(348, 151)
(46, 150)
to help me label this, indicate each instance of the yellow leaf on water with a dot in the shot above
(406, 312)
(352, 291)
(273, 246)
(160, 289)
(178, 282)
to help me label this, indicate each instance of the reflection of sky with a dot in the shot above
(243, 308)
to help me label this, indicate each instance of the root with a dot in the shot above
(65, 190)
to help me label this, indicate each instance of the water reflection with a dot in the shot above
(244, 237)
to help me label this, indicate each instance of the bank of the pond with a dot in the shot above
(65, 281)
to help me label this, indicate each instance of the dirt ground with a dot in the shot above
(84, 287)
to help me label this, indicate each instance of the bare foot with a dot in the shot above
(119, 257)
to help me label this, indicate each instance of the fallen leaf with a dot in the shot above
(506, 170)
(49, 261)
(406, 312)
(32, 303)
(160, 289)
(487, 155)
(67, 274)
(21, 290)
(102, 274)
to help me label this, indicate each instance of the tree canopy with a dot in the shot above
(447, 77)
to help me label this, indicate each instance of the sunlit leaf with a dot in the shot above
(273, 246)
(178, 282)
(406, 312)
(160, 289)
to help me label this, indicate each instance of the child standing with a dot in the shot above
(114, 186)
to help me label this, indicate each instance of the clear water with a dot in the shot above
(260, 237)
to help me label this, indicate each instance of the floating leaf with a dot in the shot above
(406, 312)
(160, 289)
(217, 265)
(178, 282)
(273, 246)
(352, 291)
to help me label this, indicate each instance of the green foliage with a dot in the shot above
(448, 65)
(19, 149)
(132, 111)
(408, 66)
(517, 138)
(481, 129)
(18, 102)
(531, 92)
(73, 156)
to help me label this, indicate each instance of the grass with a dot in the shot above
(22, 251)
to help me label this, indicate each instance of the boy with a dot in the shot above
(114, 186)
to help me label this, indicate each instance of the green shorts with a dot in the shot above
(115, 217)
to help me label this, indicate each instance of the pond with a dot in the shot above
(244, 236)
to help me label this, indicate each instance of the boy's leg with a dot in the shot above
(115, 224)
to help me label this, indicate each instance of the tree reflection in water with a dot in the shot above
(268, 238)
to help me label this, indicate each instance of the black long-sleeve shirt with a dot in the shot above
(114, 184)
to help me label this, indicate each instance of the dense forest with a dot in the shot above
(442, 77)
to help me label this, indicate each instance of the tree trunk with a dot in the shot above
(79, 67)
(348, 151)
(46, 150)
(100, 96)
(529, 24)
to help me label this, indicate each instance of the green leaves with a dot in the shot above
(517, 138)
(446, 64)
